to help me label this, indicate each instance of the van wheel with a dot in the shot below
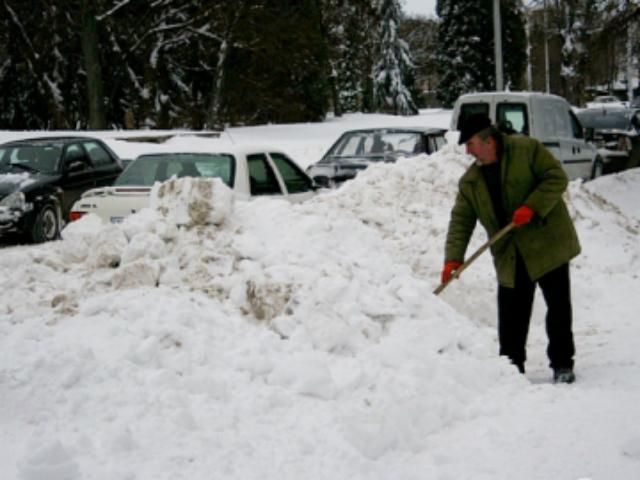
(46, 226)
(598, 168)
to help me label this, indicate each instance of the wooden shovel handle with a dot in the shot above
(499, 234)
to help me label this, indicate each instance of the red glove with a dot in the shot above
(522, 215)
(449, 267)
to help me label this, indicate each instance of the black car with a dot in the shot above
(357, 149)
(41, 178)
(616, 133)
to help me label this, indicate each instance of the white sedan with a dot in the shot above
(607, 101)
(249, 171)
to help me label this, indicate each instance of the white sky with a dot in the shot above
(420, 7)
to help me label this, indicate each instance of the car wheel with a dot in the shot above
(46, 226)
(598, 168)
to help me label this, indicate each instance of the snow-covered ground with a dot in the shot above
(303, 341)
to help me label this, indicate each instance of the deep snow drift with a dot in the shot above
(261, 340)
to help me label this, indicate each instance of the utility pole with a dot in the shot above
(529, 65)
(546, 48)
(497, 40)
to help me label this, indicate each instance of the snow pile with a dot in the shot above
(192, 201)
(408, 204)
(259, 339)
(599, 208)
(240, 337)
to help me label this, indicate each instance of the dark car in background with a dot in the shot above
(41, 178)
(355, 150)
(616, 134)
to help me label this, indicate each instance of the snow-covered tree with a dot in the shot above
(38, 73)
(573, 15)
(621, 21)
(348, 27)
(281, 75)
(466, 60)
(392, 75)
(595, 44)
(420, 33)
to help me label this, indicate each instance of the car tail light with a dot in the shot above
(73, 216)
(624, 143)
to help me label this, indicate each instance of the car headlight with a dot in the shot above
(14, 200)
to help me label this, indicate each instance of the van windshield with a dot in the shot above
(512, 118)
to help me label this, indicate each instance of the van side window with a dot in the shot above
(468, 109)
(578, 132)
(512, 118)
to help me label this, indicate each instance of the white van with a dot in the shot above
(546, 117)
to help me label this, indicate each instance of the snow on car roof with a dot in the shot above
(194, 144)
(506, 94)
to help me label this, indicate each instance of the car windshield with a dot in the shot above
(606, 99)
(34, 158)
(606, 120)
(148, 169)
(375, 145)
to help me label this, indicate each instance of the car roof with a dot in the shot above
(49, 140)
(397, 129)
(481, 95)
(212, 147)
(604, 112)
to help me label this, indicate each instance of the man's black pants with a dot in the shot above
(514, 314)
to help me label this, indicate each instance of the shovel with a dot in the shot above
(501, 233)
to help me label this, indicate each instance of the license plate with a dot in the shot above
(117, 219)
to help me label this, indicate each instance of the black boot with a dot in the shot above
(563, 375)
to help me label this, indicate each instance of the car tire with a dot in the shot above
(46, 226)
(598, 168)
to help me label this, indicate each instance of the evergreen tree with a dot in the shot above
(281, 78)
(393, 73)
(466, 48)
(420, 33)
(348, 30)
(573, 31)
(514, 43)
(38, 75)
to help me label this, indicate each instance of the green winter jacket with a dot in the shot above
(530, 176)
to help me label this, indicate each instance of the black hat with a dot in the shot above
(473, 124)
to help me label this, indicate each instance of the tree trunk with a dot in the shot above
(629, 60)
(335, 95)
(213, 120)
(92, 65)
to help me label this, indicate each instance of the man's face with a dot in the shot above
(484, 151)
